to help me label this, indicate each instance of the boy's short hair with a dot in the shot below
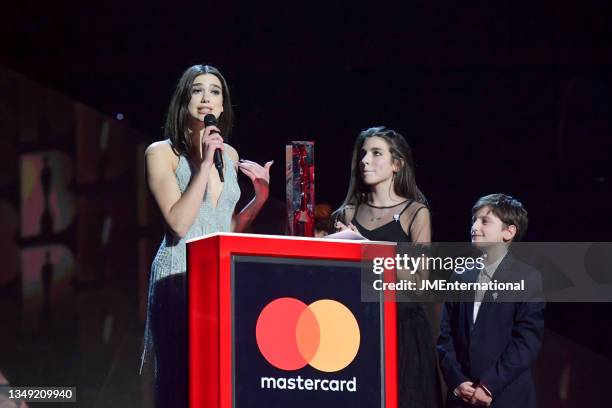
(508, 209)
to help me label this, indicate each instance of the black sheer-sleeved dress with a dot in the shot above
(418, 380)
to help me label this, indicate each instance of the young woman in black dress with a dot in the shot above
(383, 203)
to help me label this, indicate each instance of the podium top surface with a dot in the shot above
(288, 237)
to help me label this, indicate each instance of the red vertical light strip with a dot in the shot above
(390, 307)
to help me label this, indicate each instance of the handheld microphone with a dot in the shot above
(211, 120)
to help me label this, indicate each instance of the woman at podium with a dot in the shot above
(383, 203)
(192, 176)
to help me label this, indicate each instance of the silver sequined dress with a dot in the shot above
(171, 255)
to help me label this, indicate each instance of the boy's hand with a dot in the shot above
(480, 398)
(465, 391)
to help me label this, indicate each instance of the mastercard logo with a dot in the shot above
(291, 334)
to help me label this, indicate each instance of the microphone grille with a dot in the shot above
(210, 120)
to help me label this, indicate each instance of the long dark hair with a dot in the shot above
(404, 182)
(177, 118)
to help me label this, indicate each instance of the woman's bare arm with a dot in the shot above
(179, 211)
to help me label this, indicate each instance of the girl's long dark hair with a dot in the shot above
(404, 182)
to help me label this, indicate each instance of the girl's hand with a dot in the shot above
(340, 226)
(346, 232)
(260, 176)
(211, 140)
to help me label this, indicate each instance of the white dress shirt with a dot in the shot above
(484, 276)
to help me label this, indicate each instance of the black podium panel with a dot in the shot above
(302, 337)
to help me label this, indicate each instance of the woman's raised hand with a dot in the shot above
(259, 175)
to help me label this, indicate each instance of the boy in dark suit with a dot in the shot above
(489, 340)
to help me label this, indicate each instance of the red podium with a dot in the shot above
(279, 320)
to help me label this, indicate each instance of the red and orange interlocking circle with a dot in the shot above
(291, 334)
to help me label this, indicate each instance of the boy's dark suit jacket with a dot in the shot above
(500, 348)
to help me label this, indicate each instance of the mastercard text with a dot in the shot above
(309, 384)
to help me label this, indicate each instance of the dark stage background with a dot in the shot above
(493, 96)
